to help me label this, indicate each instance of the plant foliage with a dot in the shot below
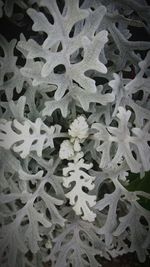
(74, 133)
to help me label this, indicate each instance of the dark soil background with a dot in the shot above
(128, 260)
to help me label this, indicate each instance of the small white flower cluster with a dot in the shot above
(79, 128)
(66, 150)
(78, 132)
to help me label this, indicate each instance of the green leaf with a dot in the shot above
(140, 184)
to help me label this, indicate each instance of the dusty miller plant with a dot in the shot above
(74, 128)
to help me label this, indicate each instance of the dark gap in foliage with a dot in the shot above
(81, 2)
(60, 69)
(26, 110)
(25, 221)
(3, 97)
(32, 185)
(146, 76)
(82, 235)
(85, 257)
(3, 109)
(38, 200)
(72, 184)
(48, 120)
(103, 189)
(31, 130)
(39, 37)
(134, 154)
(113, 149)
(77, 56)
(10, 28)
(48, 151)
(16, 131)
(138, 95)
(8, 76)
(71, 33)
(116, 52)
(122, 209)
(29, 255)
(47, 14)
(20, 203)
(42, 132)
(143, 53)
(114, 123)
(17, 95)
(60, 47)
(34, 142)
(50, 94)
(129, 74)
(47, 187)
(61, 5)
(79, 26)
(7, 29)
(92, 8)
(100, 80)
(20, 58)
(85, 189)
(143, 221)
(138, 34)
(1, 54)
(48, 215)
(109, 63)
(37, 59)
(32, 166)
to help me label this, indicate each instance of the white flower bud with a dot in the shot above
(66, 150)
(79, 128)
(77, 146)
(48, 244)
